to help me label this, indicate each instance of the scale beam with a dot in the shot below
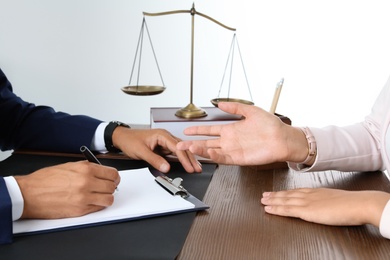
(192, 11)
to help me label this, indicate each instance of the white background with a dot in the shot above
(75, 55)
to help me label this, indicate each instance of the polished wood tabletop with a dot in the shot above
(237, 227)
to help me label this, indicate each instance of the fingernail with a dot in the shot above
(200, 165)
(164, 167)
(266, 194)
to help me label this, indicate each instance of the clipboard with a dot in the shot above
(173, 185)
(141, 194)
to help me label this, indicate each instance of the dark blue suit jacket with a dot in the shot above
(24, 125)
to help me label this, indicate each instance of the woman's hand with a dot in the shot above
(328, 206)
(259, 138)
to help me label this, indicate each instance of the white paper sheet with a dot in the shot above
(139, 195)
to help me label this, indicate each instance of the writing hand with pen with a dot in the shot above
(67, 190)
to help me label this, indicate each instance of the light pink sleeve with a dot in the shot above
(357, 147)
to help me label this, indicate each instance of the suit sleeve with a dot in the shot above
(25, 125)
(5, 214)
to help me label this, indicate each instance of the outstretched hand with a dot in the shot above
(259, 138)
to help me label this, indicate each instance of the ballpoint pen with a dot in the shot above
(276, 96)
(90, 156)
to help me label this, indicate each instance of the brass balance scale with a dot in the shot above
(191, 110)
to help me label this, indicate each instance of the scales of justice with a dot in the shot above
(191, 110)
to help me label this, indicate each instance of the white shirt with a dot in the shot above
(97, 144)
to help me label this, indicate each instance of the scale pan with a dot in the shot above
(143, 90)
(215, 101)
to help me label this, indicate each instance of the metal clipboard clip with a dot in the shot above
(173, 186)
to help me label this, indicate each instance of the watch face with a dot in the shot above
(120, 123)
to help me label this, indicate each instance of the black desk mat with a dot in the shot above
(151, 238)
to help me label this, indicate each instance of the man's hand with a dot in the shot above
(150, 144)
(68, 190)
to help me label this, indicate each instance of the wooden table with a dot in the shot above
(237, 227)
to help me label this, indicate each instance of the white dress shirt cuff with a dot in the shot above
(16, 197)
(384, 225)
(98, 143)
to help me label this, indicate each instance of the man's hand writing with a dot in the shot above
(68, 190)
